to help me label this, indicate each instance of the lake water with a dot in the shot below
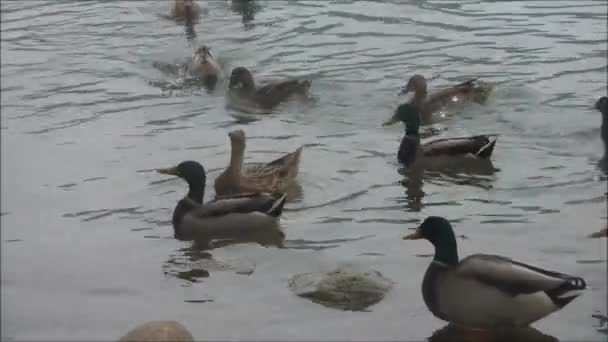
(87, 246)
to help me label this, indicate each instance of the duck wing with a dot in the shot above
(271, 205)
(286, 165)
(515, 278)
(272, 94)
(481, 146)
(445, 95)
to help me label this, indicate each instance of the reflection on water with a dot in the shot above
(453, 333)
(247, 9)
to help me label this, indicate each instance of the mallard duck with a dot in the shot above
(472, 90)
(227, 215)
(273, 177)
(205, 67)
(411, 151)
(487, 291)
(242, 89)
(602, 105)
(185, 9)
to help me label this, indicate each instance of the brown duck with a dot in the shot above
(242, 89)
(472, 90)
(185, 9)
(273, 177)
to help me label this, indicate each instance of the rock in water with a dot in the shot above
(342, 288)
(158, 331)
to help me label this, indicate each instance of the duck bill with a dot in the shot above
(172, 171)
(393, 120)
(413, 236)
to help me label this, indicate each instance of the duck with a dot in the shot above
(471, 90)
(205, 67)
(223, 216)
(158, 331)
(599, 234)
(484, 291)
(185, 9)
(242, 89)
(272, 177)
(411, 151)
(602, 105)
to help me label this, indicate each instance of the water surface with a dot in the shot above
(87, 247)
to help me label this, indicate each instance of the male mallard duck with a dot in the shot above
(472, 90)
(228, 215)
(602, 105)
(205, 66)
(185, 9)
(272, 177)
(486, 291)
(410, 150)
(243, 89)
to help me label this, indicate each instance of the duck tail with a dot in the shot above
(485, 152)
(568, 291)
(277, 207)
(295, 161)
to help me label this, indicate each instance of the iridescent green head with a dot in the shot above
(409, 115)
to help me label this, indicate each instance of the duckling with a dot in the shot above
(479, 147)
(602, 105)
(488, 291)
(185, 9)
(205, 67)
(242, 88)
(273, 177)
(229, 215)
(472, 90)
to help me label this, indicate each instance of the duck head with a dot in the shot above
(408, 114)
(202, 55)
(193, 173)
(417, 84)
(237, 139)
(438, 231)
(241, 78)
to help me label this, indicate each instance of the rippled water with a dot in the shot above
(87, 247)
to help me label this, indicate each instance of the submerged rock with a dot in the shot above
(343, 289)
(158, 331)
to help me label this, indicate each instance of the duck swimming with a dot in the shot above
(488, 291)
(205, 67)
(472, 90)
(242, 89)
(602, 105)
(478, 147)
(185, 9)
(229, 215)
(273, 177)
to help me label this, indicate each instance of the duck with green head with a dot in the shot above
(486, 291)
(412, 151)
(224, 216)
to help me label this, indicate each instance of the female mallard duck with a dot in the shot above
(469, 91)
(273, 177)
(242, 88)
(410, 150)
(185, 9)
(205, 67)
(486, 291)
(228, 215)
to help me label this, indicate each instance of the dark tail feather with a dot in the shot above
(277, 207)
(485, 151)
(561, 296)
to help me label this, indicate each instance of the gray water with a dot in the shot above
(87, 247)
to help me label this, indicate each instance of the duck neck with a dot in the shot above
(236, 160)
(197, 190)
(420, 95)
(446, 250)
